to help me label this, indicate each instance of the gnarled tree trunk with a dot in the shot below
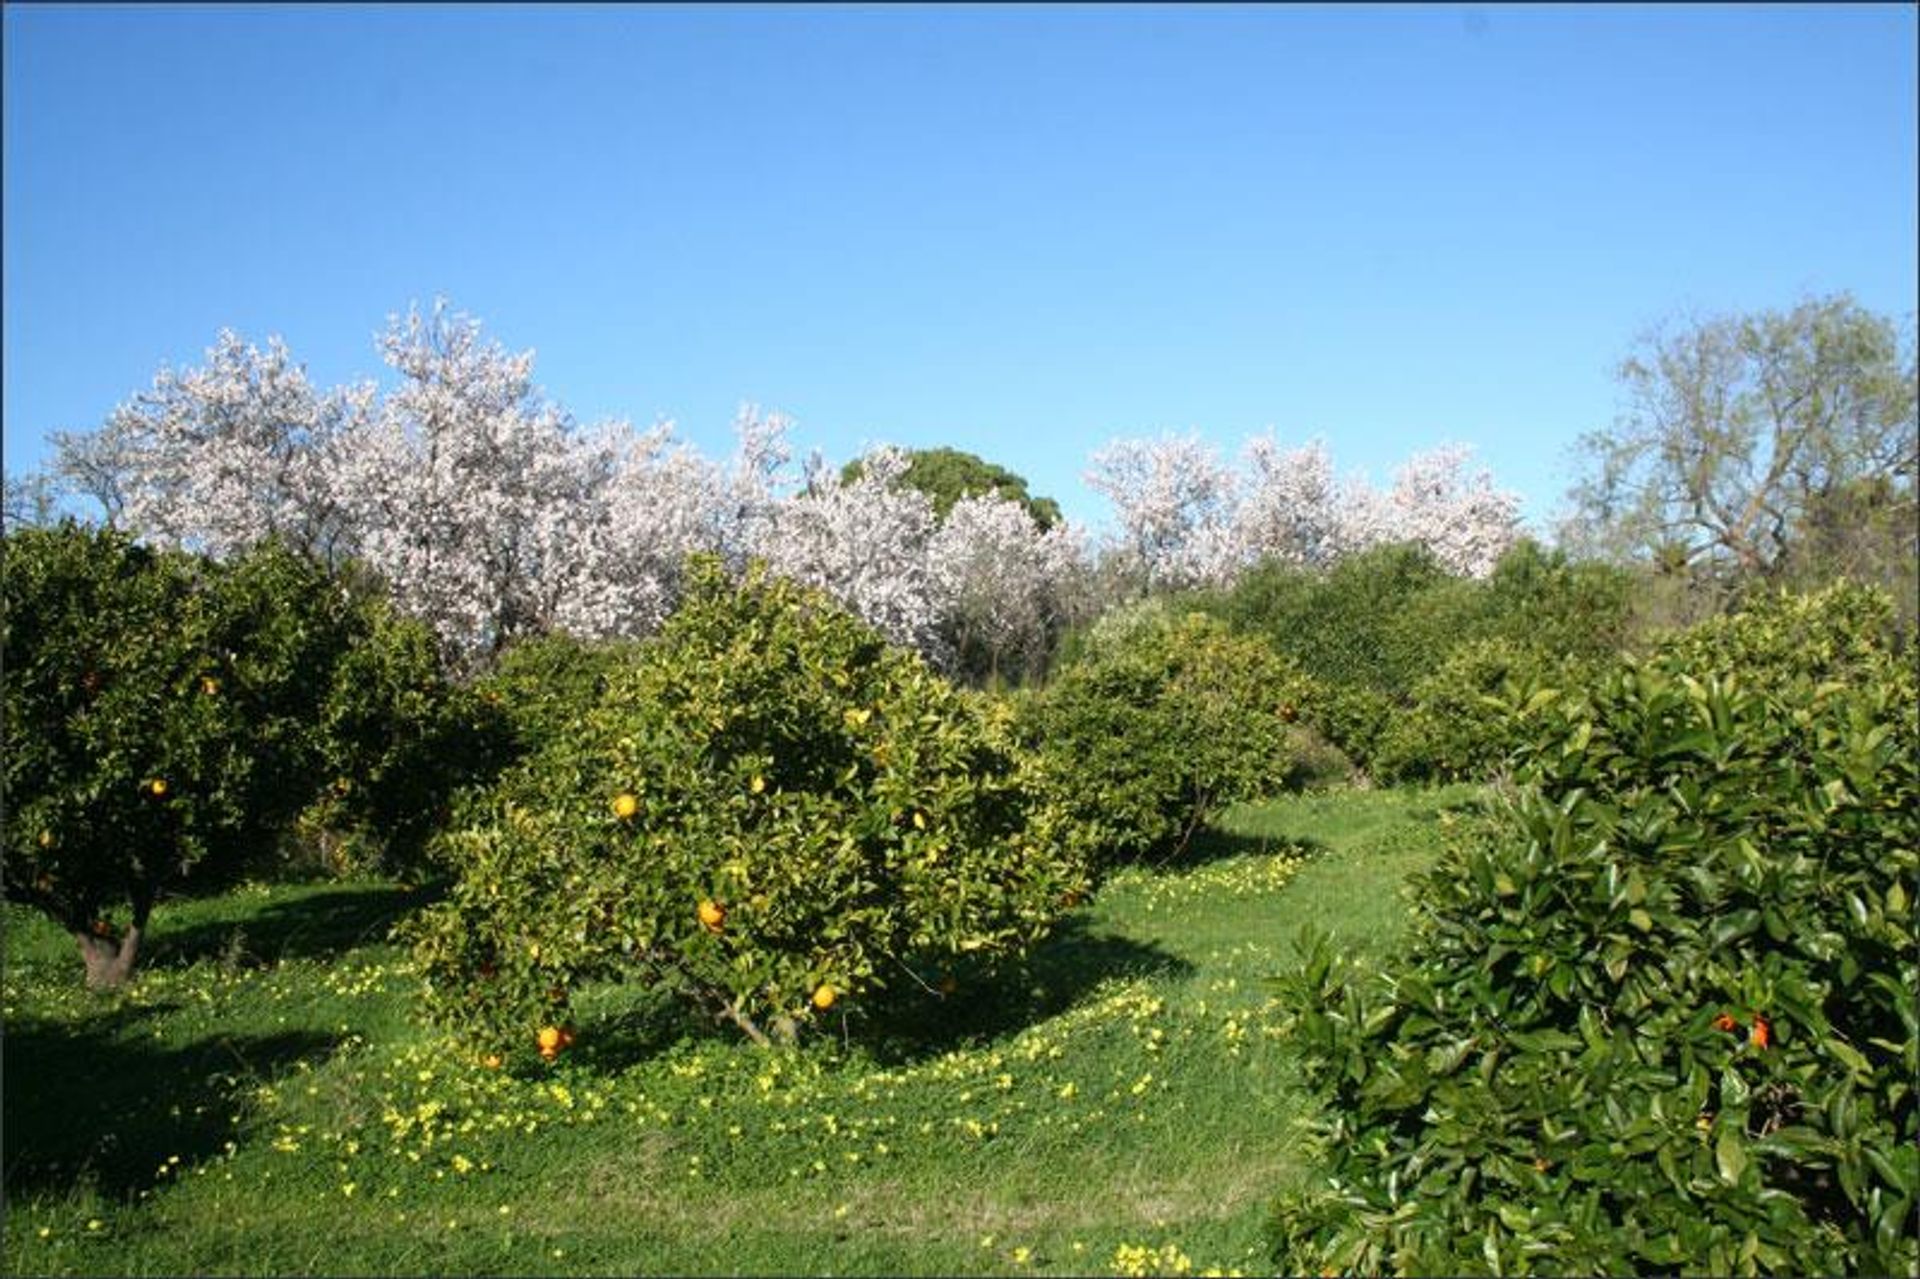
(110, 958)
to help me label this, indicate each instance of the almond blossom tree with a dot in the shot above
(864, 542)
(1185, 519)
(1289, 506)
(1461, 518)
(645, 502)
(1175, 504)
(467, 492)
(1003, 585)
(218, 458)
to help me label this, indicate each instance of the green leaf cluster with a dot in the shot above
(1159, 720)
(1374, 626)
(1660, 1013)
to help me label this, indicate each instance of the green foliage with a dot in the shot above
(766, 803)
(1376, 625)
(946, 475)
(159, 714)
(398, 741)
(547, 684)
(1744, 435)
(1474, 710)
(1662, 1014)
(1160, 720)
(1780, 638)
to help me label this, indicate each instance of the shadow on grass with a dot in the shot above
(324, 924)
(94, 1105)
(909, 1021)
(988, 1004)
(1214, 845)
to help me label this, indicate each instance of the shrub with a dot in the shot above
(1370, 629)
(1664, 1015)
(1473, 711)
(1159, 721)
(398, 741)
(160, 716)
(768, 811)
(544, 685)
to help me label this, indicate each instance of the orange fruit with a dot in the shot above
(712, 915)
(625, 805)
(549, 1038)
(824, 996)
(158, 786)
(491, 1061)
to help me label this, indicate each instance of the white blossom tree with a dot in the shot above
(647, 502)
(1002, 585)
(1174, 501)
(468, 493)
(1289, 506)
(1185, 519)
(217, 458)
(1461, 518)
(864, 543)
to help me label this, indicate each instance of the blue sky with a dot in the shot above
(1017, 230)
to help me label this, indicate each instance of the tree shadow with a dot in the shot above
(644, 1023)
(969, 1005)
(321, 926)
(94, 1105)
(1212, 844)
(913, 1019)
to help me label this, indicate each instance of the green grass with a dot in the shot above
(262, 1100)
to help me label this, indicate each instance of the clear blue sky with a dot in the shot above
(1020, 231)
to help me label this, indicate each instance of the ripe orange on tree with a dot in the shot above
(625, 805)
(824, 996)
(712, 915)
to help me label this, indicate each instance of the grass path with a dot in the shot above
(261, 1100)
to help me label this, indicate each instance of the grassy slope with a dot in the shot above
(261, 1100)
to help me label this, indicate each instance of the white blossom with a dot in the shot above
(864, 543)
(217, 458)
(467, 492)
(1001, 583)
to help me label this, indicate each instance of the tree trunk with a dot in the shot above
(110, 959)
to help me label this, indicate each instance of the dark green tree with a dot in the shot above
(947, 475)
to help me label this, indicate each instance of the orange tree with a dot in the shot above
(154, 712)
(769, 810)
(167, 717)
(1157, 722)
(1660, 1013)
